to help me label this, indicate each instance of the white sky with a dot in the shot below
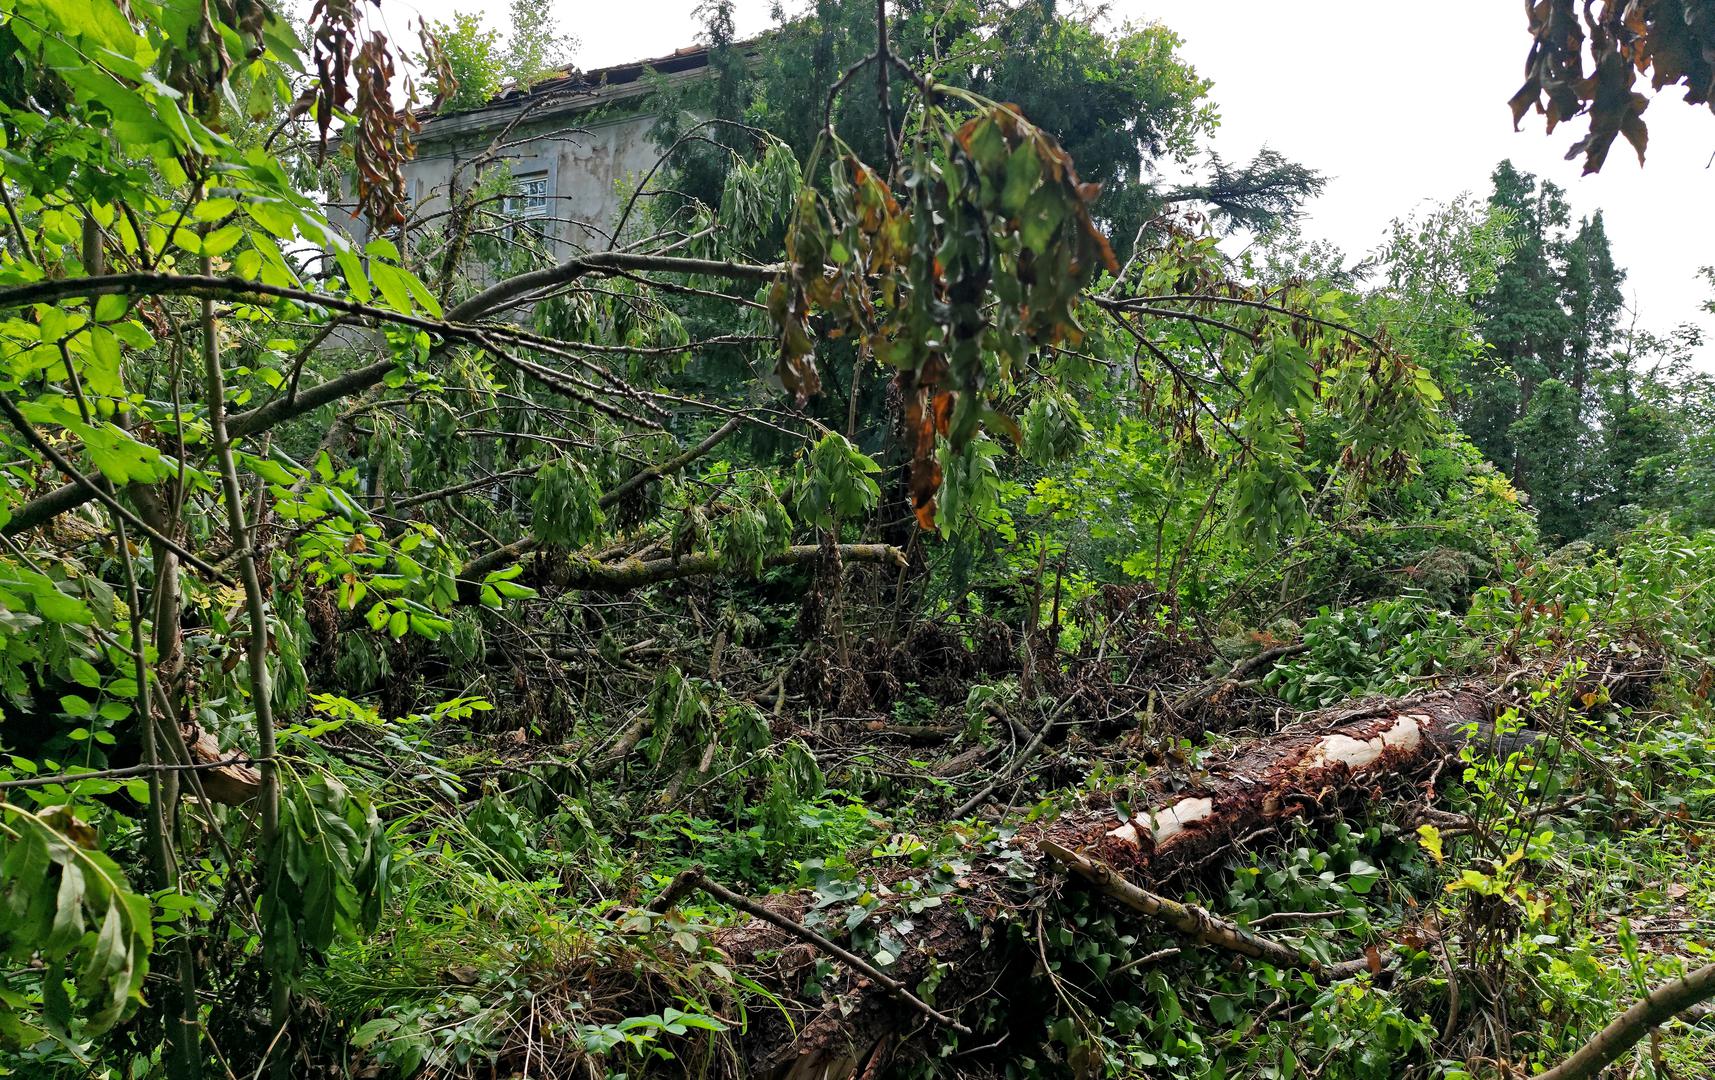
(1398, 101)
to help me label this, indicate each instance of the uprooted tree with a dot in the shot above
(330, 572)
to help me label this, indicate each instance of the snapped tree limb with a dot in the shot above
(46, 507)
(596, 576)
(473, 572)
(803, 933)
(1195, 922)
(1630, 1027)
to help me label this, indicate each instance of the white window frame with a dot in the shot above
(526, 202)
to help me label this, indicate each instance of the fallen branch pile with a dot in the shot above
(1333, 759)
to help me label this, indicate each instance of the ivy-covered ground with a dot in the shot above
(1506, 910)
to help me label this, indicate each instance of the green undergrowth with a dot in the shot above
(1550, 885)
(1502, 922)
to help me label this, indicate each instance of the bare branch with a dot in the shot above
(1629, 1028)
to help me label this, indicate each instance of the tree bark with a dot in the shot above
(1333, 759)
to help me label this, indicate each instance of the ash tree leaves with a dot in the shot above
(956, 286)
(327, 873)
(1055, 428)
(566, 505)
(1268, 388)
(68, 913)
(409, 580)
(838, 482)
(752, 530)
(501, 585)
(969, 273)
(1670, 41)
(124, 138)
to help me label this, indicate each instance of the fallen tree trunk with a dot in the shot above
(1332, 759)
(1321, 760)
(629, 574)
(1333, 755)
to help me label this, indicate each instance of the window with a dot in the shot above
(526, 206)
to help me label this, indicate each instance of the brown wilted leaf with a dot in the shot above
(1671, 40)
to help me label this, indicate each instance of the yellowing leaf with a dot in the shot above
(1429, 839)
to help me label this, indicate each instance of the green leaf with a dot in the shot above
(351, 270)
(1023, 170)
(222, 240)
(118, 456)
(110, 307)
(391, 281)
(270, 470)
(1363, 877)
(273, 217)
(83, 673)
(101, 371)
(212, 210)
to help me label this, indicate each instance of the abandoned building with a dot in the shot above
(572, 148)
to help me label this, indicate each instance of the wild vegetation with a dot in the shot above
(914, 602)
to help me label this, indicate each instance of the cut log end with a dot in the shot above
(228, 783)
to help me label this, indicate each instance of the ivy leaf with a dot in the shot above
(1363, 877)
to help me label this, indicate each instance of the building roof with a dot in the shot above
(574, 91)
(690, 58)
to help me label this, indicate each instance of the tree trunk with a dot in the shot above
(1334, 758)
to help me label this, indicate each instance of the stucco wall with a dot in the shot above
(592, 165)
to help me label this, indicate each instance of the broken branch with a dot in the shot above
(1191, 920)
(805, 934)
(1629, 1028)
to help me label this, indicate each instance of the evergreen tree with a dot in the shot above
(1656, 413)
(1547, 439)
(1548, 319)
(1522, 319)
(1591, 284)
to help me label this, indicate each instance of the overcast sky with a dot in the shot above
(1398, 102)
